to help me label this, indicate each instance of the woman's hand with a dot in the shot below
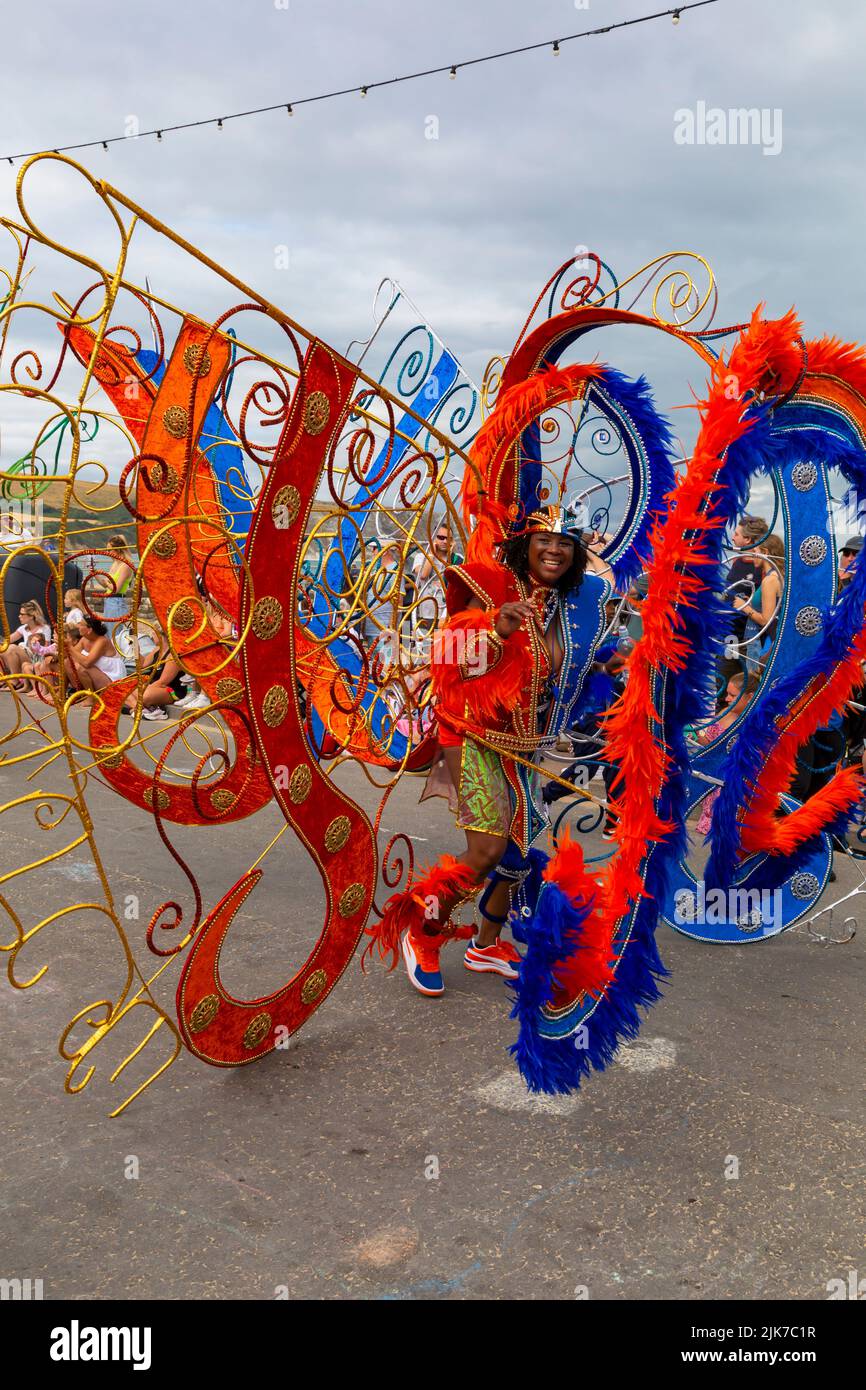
(510, 617)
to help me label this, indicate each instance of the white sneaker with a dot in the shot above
(199, 701)
(191, 694)
(156, 712)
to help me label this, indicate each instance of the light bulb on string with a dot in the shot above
(675, 14)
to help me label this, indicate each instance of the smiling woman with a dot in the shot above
(508, 672)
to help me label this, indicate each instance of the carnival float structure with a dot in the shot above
(269, 477)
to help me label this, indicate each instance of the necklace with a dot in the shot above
(545, 602)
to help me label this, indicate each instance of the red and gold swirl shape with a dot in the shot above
(530, 384)
(175, 480)
(333, 829)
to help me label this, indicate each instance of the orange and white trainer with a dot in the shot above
(421, 957)
(501, 958)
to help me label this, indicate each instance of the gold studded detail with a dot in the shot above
(165, 546)
(163, 477)
(229, 689)
(300, 784)
(203, 1013)
(285, 507)
(163, 800)
(351, 899)
(196, 360)
(183, 618)
(267, 618)
(113, 760)
(337, 833)
(176, 421)
(222, 799)
(313, 986)
(275, 706)
(257, 1030)
(316, 412)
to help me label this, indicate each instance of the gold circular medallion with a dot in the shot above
(256, 1030)
(222, 799)
(163, 800)
(113, 760)
(316, 412)
(337, 833)
(165, 546)
(203, 1013)
(267, 617)
(351, 899)
(285, 507)
(300, 783)
(164, 478)
(275, 706)
(196, 360)
(176, 421)
(229, 689)
(313, 986)
(183, 618)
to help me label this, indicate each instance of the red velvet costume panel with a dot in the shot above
(217, 1027)
(175, 516)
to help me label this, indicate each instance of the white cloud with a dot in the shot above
(535, 154)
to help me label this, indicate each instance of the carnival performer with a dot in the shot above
(509, 669)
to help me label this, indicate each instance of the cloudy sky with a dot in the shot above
(535, 154)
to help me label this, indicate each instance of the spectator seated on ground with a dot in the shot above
(92, 662)
(43, 664)
(34, 628)
(167, 689)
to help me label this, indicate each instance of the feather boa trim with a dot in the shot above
(487, 699)
(590, 957)
(448, 880)
(685, 549)
(515, 410)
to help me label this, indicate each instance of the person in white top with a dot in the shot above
(93, 662)
(33, 627)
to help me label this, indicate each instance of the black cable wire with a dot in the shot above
(365, 87)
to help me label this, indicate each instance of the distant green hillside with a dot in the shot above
(92, 517)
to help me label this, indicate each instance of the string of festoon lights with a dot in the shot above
(363, 89)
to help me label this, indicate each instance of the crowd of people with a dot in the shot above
(84, 641)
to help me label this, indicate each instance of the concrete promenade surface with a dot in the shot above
(392, 1151)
